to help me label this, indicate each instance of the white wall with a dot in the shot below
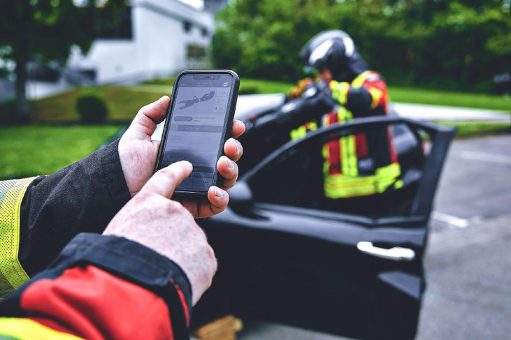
(158, 46)
(112, 59)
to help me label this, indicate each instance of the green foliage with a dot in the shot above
(458, 45)
(38, 150)
(262, 38)
(45, 30)
(41, 31)
(91, 108)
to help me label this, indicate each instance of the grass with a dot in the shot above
(445, 98)
(124, 102)
(247, 85)
(40, 149)
(477, 129)
(36, 150)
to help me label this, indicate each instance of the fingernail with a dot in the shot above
(218, 193)
(187, 164)
(230, 164)
(238, 146)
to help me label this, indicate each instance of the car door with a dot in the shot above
(284, 256)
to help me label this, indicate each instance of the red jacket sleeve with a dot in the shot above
(102, 287)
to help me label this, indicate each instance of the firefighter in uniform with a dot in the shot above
(356, 166)
(140, 278)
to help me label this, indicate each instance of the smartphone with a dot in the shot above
(199, 121)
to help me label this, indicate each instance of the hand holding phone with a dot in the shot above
(199, 121)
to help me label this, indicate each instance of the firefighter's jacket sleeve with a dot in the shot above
(366, 95)
(101, 287)
(39, 216)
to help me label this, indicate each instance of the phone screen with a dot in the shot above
(196, 129)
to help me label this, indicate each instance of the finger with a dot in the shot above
(233, 149)
(165, 181)
(238, 128)
(217, 200)
(148, 117)
(228, 169)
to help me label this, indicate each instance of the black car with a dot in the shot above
(284, 258)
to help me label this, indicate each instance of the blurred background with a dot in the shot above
(60, 59)
(73, 73)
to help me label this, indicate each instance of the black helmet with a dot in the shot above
(334, 50)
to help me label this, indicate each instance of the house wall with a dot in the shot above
(158, 46)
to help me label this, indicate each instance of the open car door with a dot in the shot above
(285, 257)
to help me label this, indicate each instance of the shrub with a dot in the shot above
(91, 108)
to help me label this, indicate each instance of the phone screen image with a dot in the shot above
(197, 125)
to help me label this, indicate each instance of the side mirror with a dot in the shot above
(240, 196)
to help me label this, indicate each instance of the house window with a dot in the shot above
(196, 52)
(204, 32)
(187, 26)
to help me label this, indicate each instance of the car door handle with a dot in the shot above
(395, 253)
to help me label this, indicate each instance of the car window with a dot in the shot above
(382, 180)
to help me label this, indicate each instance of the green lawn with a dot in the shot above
(39, 149)
(476, 129)
(446, 98)
(123, 102)
(247, 85)
(35, 150)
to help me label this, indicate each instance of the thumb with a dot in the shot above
(165, 181)
(148, 117)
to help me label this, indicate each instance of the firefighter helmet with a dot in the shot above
(334, 50)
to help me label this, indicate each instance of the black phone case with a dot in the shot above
(226, 132)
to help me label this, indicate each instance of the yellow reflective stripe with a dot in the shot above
(326, 149)
(339, 91)
(399, 184)
(340, 186)
(298, 133)
(12, 274)
(386, 176)
(311, 126)
(392, 170)
(343, 114)
(19, 328)
(301, 131)
(376, 95)
(360, 79)
(348, 154)
(326, 157)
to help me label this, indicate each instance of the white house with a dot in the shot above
(163, 37)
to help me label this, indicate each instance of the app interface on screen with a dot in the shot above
(195, 131)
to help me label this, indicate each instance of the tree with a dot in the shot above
(451, 44)
(45, 30)
(263, 38)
